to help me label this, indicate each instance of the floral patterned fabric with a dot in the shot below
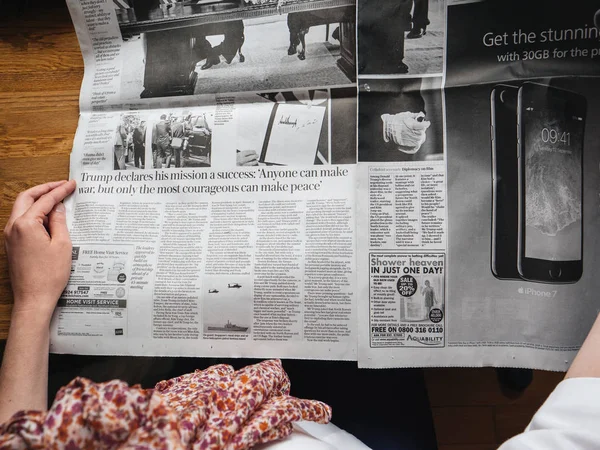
(216, 408)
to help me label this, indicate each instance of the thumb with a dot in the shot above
(422, 125)
(57, 223)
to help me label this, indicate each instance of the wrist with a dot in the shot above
(35, 313)
(29, 325)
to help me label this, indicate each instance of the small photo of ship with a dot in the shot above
(228, 327)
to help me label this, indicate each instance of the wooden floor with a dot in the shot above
(470, 411)
(40, 74)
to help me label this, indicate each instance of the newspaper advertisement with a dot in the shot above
(519, 168)
(94, 302)
(400, 183)
(415, 316)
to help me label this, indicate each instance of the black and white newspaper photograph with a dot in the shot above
(234, 45)
(398, 37)
(227, 306)
(130, 143)
(401, 120)
(182, 138)
(298, 128)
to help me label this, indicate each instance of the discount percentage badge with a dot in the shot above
(406, 285)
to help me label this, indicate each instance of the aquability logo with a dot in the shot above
(425, 340)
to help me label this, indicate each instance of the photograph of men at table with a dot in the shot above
(189, 47)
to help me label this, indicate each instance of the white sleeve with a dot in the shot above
(314, 436)
(569, 419)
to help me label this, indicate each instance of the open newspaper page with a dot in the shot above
(478, 182)
(221, 211)
(215, 159)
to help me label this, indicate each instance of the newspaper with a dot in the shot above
(404, 184)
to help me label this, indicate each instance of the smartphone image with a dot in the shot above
(505, 191)
(551, 125)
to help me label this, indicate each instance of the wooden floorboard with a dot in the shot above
(41, 69)
(464, 424)
(472, 412)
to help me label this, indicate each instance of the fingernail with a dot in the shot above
(60, 208)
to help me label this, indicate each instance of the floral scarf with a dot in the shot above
(216, 408)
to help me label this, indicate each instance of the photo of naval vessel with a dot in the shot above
(228, 327)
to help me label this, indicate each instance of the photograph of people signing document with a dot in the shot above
(284, 128)
(308, 127)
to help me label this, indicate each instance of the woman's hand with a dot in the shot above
(38, 247)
